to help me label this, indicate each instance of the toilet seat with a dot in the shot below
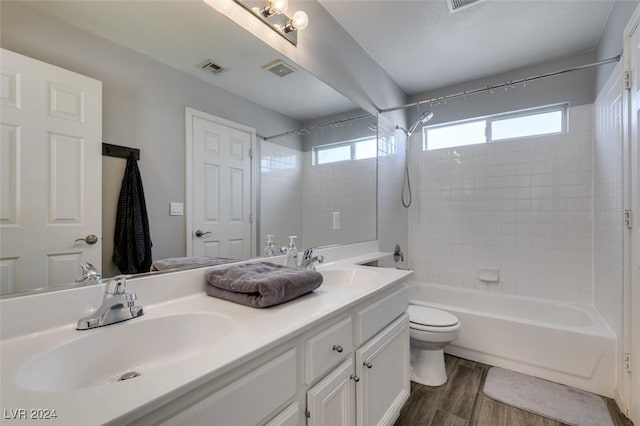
(430, 319)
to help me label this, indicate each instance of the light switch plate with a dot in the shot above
(336, 220)
(177, 209)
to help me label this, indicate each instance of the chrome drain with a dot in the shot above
(128, 375)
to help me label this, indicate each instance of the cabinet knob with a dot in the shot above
(367, 364)
(354, 378)
(337, 348)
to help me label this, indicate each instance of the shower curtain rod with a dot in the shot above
(317, 126)
(499, 86)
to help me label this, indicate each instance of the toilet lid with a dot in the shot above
(432, 317)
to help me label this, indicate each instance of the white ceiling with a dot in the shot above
(182, 34)
(423, 46)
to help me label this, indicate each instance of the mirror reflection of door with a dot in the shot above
(220, 216)
(51, 156)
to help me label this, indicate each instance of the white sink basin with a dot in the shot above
(348, 277)
(102, 356)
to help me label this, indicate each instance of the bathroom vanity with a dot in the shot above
(339, 355)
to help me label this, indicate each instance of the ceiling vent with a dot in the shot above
(212, 67)
(456, 5)
(279, 68)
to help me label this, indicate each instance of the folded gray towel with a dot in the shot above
(189, 262)
(261, 284)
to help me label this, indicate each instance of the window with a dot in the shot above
(359, 149)
(513, 125)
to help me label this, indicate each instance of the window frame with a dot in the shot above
(351, 143)
(489, 119)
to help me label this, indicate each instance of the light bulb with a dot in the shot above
(279, 6)
(275, 6)
(299, 21)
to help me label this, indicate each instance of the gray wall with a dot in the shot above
(143, 107)
(331, 54)
(611, 40)
(575, 88)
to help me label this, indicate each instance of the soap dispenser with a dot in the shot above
(291, 258)
(269, 249)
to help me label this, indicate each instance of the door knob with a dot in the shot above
(89, 239)
(199, 233)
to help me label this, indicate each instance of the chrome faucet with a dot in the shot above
(90, 274)
(117, 306)
(308, 260)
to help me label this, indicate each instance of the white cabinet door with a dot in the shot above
(221, 187)
(383, 368)
(332, 401)
(50, 173)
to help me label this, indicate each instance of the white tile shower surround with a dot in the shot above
(281, 192)
(392, 217)
(348, 187)
(523, 206)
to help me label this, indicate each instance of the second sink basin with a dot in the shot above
(353, 277)
(133, 348)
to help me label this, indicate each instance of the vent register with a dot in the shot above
(276, 67)
(457, 5)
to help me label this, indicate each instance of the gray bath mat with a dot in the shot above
(548, 399)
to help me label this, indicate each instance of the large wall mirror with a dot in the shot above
(313, 162)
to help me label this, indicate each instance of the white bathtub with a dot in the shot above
(559, 342)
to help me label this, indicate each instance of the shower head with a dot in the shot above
(424, 117)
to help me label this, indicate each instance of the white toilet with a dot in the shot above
(430, 330)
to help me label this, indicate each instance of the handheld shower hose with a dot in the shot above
(423, 118)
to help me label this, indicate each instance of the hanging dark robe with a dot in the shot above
(132, 239)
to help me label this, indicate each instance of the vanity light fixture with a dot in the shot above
(273, 14)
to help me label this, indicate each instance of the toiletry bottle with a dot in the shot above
(269, 249)
(291, 258)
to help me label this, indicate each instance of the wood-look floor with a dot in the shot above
(461, 402)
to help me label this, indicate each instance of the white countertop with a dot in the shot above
(254, 332)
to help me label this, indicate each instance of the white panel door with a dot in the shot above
(332, 401)
(51, 173)
(634, 133)
(221, 191)
(383, 368)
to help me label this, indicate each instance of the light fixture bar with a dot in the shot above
(272, 13)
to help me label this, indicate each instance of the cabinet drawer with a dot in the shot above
(375, 317)
(248, 400)
(327, 348)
